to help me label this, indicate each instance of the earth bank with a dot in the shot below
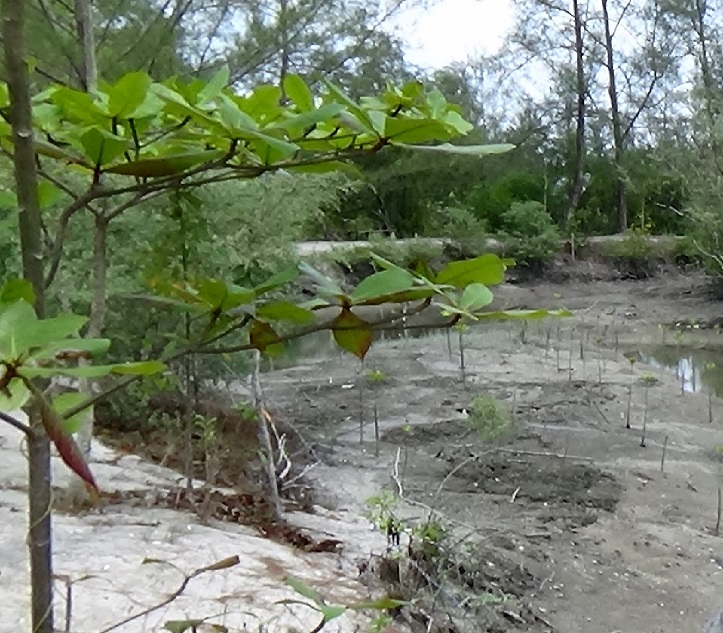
(567, 525)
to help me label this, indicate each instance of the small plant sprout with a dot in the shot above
(548, 334)
(376, 376)
(647, 380)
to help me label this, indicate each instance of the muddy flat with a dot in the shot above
(574, 522)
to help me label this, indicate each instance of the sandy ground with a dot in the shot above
(569, 525)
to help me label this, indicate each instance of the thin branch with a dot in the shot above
(20, 426)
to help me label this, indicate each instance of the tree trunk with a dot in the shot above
(618, 140)
(577, 182)
(77, 492)
(86, 40)
(26, 184)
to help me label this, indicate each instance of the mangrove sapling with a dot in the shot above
(718, 512)
(569, 359)
(631, 359)
(361, 402)
(548, 334)
(460, 327)
(448, 335)
(648, 380)
(662, 458)
(376, 430)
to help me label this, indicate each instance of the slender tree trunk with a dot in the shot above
(577, 182)
(26, 181)
(86, 40)
(77, 493)
(285, 52)
(618, 140)
(710, 90)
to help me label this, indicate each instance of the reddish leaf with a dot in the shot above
(352, 333)
(265, 339)
(68, 449)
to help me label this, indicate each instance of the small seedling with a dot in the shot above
(376, 376)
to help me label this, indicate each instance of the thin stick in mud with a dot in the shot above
(376, 430)
(662, 459)
(718, 513)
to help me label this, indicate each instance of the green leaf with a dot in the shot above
(140, 368)
(17, 290)
(164, 165)
(332, 612)
(467, 150)
(278, 280)
(297, 90)
(8, 200)
(128, 94)
(265, 339)
(354, 334)
(48, 194)
(285, 311)
(101, 147)
(326, 287)
(383, 284)
(382, 604)
(17, 396)
(72, 347)
(485, 269)
(66, 401)
(214, 87)
(475, 297)
(21, 331)
(300, 587)
(400, 131)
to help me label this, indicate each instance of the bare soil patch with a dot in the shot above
(570, 525)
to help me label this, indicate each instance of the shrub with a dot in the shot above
(529, 234)
(456, 222)
(490, 419)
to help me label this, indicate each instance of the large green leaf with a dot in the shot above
(48, 194)
(467, 150)
(325, 286)
(475, 297)
(71, 348)
(214, 87)
(140, 368)
(128, 94)
(101, 147)
(277, 280)
(297, 90)
(285, 311)
(16, 396)
(382, 284)
(486, 269)
(164, 165)
(17, 290)
(21, 331)
(399, 130)
(352, 333)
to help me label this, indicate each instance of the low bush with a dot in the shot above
(490, 419)
(529, 234)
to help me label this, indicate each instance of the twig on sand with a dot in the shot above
(513, 451)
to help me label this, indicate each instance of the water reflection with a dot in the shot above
(697, 369)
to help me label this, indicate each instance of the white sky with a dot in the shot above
(453, 30)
